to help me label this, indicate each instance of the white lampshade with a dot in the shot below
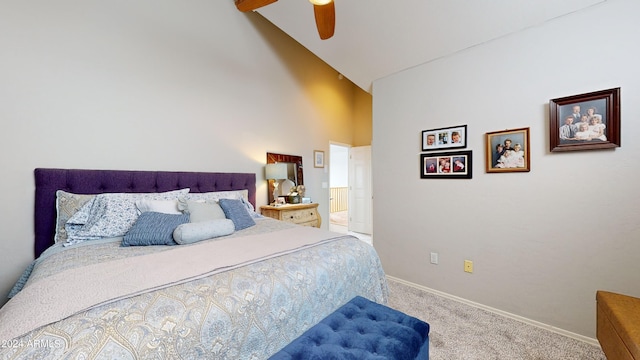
(276, 171)
(320, 2)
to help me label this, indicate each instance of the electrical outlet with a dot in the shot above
(468, 266)
(434, 258)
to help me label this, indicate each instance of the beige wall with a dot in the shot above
(542, 242)
(363, 116)
(162, 85)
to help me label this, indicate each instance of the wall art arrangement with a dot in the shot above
(585, 122)
(589, 121)
(445, 138)
(446, 165)
(508, 151)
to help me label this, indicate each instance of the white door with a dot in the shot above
(360, 218)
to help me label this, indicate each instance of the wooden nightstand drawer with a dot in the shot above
(301, 214)
(313, 223)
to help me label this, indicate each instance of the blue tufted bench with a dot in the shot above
(361, 329)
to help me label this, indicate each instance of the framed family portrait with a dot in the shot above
(585, 122)
(445, 138)
(508, 151)
(446, 165)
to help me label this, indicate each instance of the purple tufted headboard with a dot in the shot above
(48, 181)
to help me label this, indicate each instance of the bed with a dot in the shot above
(242, 294)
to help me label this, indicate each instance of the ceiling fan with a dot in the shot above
(324, 11)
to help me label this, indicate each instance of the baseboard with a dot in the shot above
(522, 319)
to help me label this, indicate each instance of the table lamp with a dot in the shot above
(276, 172)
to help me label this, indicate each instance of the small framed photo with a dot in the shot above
(508, 151)
(585, 122)
(318, 158)
(445, 138)
(446, 165)
(280, 200)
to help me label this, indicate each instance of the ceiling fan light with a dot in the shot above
(320, 2)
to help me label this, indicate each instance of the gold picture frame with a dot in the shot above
(508, 151)
(318, 158)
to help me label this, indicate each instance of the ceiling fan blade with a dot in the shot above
(325, 19)
(250, 5)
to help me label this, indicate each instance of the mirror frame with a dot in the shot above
(273, 158)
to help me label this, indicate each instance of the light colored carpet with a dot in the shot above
(339, 218)
(462, 332)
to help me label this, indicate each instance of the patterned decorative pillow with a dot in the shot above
(201, 211)
(235, 210)
(154, 228)
(217, 195)
(198, 231)
(67, 205)
(112, 214)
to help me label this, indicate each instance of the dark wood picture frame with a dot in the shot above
(295, 165)
(600, 110)
(434, 165)
(454, 137)
(508, 151)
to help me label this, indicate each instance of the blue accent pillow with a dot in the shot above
(153, 228)
(236, 211)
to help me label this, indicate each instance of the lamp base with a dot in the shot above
(276, 183)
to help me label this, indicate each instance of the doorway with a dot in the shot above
(350, 190)
(339, 188)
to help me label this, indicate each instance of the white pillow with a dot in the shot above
(193, 232)
(160, 206)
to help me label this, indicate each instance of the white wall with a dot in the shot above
(542, 242)
(153, 85)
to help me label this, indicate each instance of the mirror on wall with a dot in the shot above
(294, 171)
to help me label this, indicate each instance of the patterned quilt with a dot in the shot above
(245, 312)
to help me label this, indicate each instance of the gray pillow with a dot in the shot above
(201, 211)
(237, 212)
(198, 231)
(153, 228)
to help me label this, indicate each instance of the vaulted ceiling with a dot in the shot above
(376, 38)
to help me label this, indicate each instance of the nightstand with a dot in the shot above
(301, 214)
